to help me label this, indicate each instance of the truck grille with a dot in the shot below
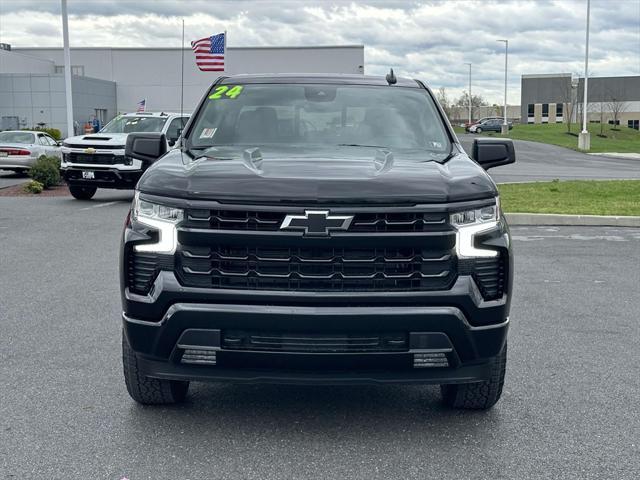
(313, 342)
(316, 269)
(94, 158)
(270, 221)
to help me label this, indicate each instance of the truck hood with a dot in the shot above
(106, 140)
(339, 175)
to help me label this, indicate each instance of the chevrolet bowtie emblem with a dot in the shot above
(90, 150)
(316, 222)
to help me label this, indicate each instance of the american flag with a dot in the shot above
(141, 105)
(210, 53)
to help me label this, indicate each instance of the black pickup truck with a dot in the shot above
(316, 229)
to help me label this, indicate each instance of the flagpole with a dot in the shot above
(182, 71)
(225, 52)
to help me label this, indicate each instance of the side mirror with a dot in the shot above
(147, 147)
(490, 152)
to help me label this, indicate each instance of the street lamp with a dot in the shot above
(469, 92)
(67, 69)
(505, 125)
(584, 139)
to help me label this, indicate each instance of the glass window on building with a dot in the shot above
(530, 112)
(635, 124)
(101, 115)
(545, 113)
(559, 112)
(77, 70)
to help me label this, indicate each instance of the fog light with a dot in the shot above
(430, 360)
(199, 357)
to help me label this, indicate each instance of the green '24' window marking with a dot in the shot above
(225, 91)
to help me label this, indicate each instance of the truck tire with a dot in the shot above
(82, 193)
(146, 390)
(479, 395)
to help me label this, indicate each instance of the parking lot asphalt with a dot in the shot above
(8, 178)
(569, 408)
(541, 162)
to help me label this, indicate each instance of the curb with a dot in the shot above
(571, 220)
(623, 156)
(2, 187)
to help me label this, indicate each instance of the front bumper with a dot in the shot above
(431, 330)
(104, 177)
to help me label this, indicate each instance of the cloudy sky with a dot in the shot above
(430, 40)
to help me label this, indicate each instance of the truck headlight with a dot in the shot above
(469, 223)
(161, 218)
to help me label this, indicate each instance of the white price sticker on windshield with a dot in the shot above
(208, 132)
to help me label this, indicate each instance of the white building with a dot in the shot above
(111, 80)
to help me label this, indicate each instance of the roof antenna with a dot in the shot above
(391, 78)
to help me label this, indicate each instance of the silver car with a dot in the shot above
(19, 149)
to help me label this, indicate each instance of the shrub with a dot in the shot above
(34, 187)
(46, 170)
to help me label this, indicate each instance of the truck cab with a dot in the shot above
(98, 160)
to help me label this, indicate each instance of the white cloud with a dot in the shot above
(428, 40)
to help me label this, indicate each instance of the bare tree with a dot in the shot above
(476, 101)
(616, 106)
(602, 109)
(444, 101)
(569, 98)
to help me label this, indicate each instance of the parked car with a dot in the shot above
(97, 160)
(467, 125)
(19, 149)
(319, 229)
(489, 125)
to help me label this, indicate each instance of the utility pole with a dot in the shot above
(469, 92)
(67, 69)
(584, 139)
(505, 124)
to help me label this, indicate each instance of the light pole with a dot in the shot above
(584, 139)
(469, 92)
(67, 69)
(505, 124)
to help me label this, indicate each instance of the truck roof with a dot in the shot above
(339, 79)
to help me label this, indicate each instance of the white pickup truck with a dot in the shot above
(97, 160)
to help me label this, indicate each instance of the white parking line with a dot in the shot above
(99, 205)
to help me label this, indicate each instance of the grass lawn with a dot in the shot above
(623, 140)
(576, 197)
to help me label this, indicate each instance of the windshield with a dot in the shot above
(257, 115)
(17, 137)
(123, 124)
